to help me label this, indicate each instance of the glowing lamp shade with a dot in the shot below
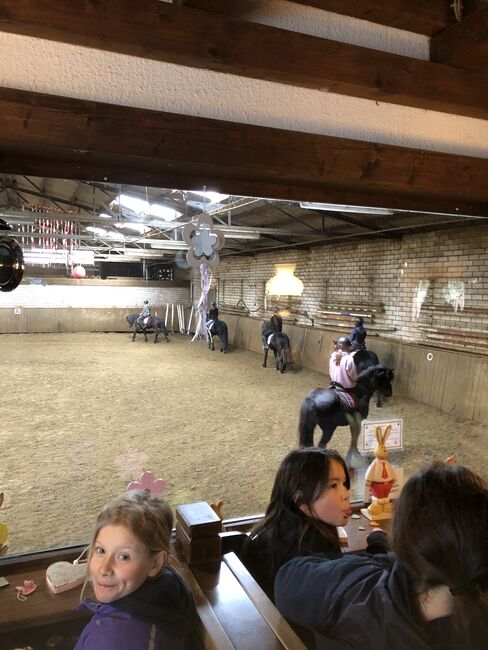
(284, 282)
(78, 272)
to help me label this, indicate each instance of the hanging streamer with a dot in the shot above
(206, 280)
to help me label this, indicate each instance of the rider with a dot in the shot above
(276, 322)
(275, 325)
(342, 369)
(358, 335)
(145, 313)
(212, 315)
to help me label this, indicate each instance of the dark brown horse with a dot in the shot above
(151, 323)
(330, 408)
(279, 343)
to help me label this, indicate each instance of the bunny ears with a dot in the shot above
(381, 436)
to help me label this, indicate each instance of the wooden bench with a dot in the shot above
(234, 612)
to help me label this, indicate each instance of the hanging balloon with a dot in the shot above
(11, 264)
(78, 272)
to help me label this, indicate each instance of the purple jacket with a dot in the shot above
(160, 615)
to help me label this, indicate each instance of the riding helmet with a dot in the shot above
(343, 342)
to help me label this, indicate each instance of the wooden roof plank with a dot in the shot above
(187, 36)
(414, 16)
(465, 44)
(47, 135)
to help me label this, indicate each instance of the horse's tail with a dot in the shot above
(224, 335)
(308, 421)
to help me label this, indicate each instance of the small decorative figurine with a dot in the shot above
(380, 478)
(218, 508)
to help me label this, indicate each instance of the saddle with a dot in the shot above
(348, 399)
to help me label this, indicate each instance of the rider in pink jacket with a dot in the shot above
(342, 369)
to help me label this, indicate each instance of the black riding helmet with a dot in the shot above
(146, 302)
(359, 321)
(343, 342)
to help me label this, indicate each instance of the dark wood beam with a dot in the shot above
(421, 16)
(339, 216)
(47, 135)
(200, 39)
(465, 44)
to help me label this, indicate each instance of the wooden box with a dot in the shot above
(202, 550)
(198, 520)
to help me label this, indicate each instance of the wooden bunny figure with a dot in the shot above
(380, 478)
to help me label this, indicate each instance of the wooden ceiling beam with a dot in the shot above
(52, 136)
(414, 16)
(200, 39)
(465, 44)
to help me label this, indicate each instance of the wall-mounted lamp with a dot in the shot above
(11, 261)
(284, 282)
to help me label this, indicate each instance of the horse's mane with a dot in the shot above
(367, 373)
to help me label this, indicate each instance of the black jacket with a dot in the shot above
(213, 314)
(159, 615)
(359, 603)
(263, 556)
(358, 335)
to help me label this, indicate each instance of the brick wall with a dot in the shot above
(383, 273)
(91, 296)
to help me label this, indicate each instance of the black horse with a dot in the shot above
(365, 359)
(218, 328)
(279, 343)
(330, 408)
(152, 323)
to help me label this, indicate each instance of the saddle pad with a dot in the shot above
(62, 576)
(347, 399)
(270, 339)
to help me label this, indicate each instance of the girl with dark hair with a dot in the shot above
(310, 498)
(433, 594)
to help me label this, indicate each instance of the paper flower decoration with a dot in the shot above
(147, 481)
(204, 241)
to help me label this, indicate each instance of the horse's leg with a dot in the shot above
(276, 359)
(379, 403)
(328, 427)
(166, 334)
(134, 335)
(145, 335)
(212, 347)
(156, 334)
(353, 457)
(265, 357)
(282, 360)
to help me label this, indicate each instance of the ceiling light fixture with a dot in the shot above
(335, 207)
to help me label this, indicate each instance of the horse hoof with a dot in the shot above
(354, 460)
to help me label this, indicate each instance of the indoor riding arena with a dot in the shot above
(85, 412)
(209, 210)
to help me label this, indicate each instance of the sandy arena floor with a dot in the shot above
(83, 414)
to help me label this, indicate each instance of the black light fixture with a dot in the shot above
(11, 260)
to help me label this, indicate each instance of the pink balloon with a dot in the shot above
(78, 272)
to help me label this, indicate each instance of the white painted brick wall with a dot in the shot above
(377, 271)
(38, 295)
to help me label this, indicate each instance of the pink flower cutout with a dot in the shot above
(147, 481)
